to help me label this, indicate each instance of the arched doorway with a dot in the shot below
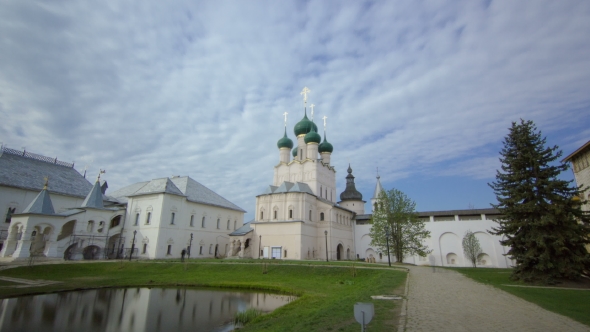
(91, 252)
(339, 252)
(70, 252)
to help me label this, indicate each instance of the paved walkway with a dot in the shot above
(448, 301)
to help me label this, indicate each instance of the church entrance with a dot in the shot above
(339, 252)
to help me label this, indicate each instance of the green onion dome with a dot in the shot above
(304, 126)
(312, 136)
(294, 152)
(325, 146)
(285, 142)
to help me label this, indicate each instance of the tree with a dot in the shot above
(543, 223)
(471, 247)
(395, 215)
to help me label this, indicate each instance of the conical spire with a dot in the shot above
(378, 188)
(42, 203)
(94, 197)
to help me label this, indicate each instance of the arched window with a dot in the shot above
(275, 214)
(291, 214)
(309, 215)
(203, 222)
(322, 216)
(192, 223)
(261, 215)
(136, 219)
(115, 222)
(172, 218)
(217, 223)
(90, 227)
(148, 219)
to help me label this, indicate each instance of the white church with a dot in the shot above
(53, 212)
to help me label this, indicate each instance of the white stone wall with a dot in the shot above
(446, 242)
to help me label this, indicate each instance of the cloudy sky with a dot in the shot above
(425, 91)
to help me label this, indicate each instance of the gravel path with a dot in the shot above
(448, 301)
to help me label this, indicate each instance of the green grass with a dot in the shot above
(326, 294)
(571, 303)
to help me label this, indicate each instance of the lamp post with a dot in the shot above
(326, 234)
(387, 233)
(190, 246)
(132, 245)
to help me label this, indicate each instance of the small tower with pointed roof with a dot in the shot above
(351, 198)
(378, 190)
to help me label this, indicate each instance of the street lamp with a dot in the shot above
(190, 246)
(132, 245)
(387, 233)
(326, 234)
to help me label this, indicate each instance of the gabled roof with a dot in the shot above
(183, 186)
(41, 204)
(25, 170)
(289, 187)
(94, 197)
(242, 230)
(580, 149)
(158, 186)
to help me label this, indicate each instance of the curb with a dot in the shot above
(402, 319)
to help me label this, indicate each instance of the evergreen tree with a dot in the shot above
(396, 215)
(542, 223)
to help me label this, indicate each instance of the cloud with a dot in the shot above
(154, 89)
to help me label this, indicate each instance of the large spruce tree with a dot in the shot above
(543, 223)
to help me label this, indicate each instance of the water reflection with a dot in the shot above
(132, 309)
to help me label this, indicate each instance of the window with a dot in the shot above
(235, 221)
(90, 227)
(275, 212)
(322, 216)
(172, 218)
(228, 224)
(203, 222)
(291, 214)
(261, 215)
(380, 256)
(217, 223)
(285, 253)
(169, 252)
(192, 223)
(115, 221)
(321, 191)
(136, 219)
(310, 215)
(326, 193)
(144, 248)
(210, 249)
(200, 250)
(148, 219)
(9, 214)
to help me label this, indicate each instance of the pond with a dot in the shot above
(133, 309)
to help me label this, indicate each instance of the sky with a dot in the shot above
(425, 91)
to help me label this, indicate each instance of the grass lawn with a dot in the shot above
(327, 294)
(571, 303)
